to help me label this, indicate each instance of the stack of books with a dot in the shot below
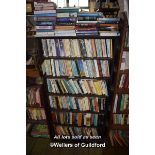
(86, 23)
(40, 130)
(75, 131)
(66, 20)
(45, 18)
(108, 26)
(77, 103)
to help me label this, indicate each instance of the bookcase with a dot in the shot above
(36, 124)
(90, 117)
(119, 128)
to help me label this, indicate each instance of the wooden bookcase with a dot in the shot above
(102, 123)
(119, 118)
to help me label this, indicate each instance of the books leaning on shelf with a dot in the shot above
(119, 137)
(121, 103)
(94, 104)
(121, 119)
(77, 47)
(82, 86)
(76, 68)
(40, 130)
(35, 113)
(33, 96)
(79, 119)
(124, 81)
(125, 61)
(75, 131)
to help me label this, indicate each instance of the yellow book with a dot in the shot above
(97, 87)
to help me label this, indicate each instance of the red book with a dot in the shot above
(99, 68)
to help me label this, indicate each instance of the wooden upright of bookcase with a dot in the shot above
(121, 71)
(101, 128)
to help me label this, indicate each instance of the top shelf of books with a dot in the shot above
(54, 22)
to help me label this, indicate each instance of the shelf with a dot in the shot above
(35, 121)
(123, 91)
(126, 49)
(67, 77)
(119, 127)
(78, 58)
(122, 112)
(77, 37)
(75, 125)
(78, 95)
(126, 71)
(34, 106)
(76, 111)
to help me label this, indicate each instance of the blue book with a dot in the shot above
(98, 47)
(61, 47)
(57, 47)
(81, 68)
(60, 62)
(74, 69)
(44, 30)
(41, 23)
(45, 15)
(96, 14)
(66, 19)
(77, 103)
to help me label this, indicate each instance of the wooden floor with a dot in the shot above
(40, 146)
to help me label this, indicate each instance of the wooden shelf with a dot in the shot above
(78, 37)
(75, 111)
(78, 95)
(126, 71)
(75, 125)
(36, 121)
(122, 112)
(119, 127)
(123, 91)
(67, 77)
(126, 49)
(78, 58)
(34, 106)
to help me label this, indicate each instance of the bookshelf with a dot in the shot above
(100, 128)
(119, 122)
(36, 124)
(76, 60)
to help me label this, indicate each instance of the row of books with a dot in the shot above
(121, 103)
(76, 68)
(80, 119)
(44, 17)
(77, 103)
(124, 81)
(121, 119)
(33, 96)
(52, 21)
(75, 131)
(77, 47)
(82, 86)
(125, 61)
(35, 113)
(40, 130)
(119, 137)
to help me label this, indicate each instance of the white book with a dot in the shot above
(85, 69)
(57, 67)
(109, 33)
(53, 67)
(115, 104)
(44, 11)
(83, 87)
(63, 14)
(52, 47)
(44, 34)
(96, 67)
(49, 48)
(77, 86)
(44, 46)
